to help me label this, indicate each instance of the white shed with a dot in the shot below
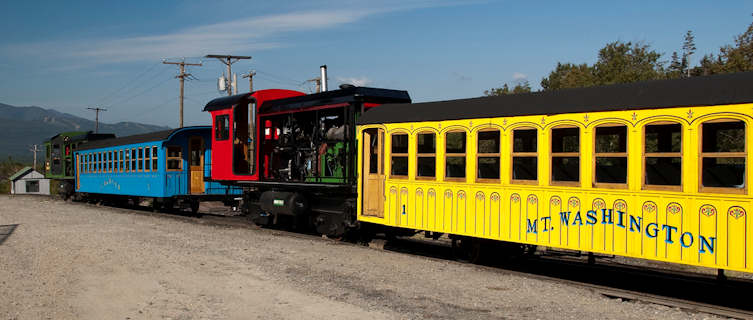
(29, 181)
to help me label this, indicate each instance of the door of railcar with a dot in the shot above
(78, 171)
(196, 164)
(373, 173)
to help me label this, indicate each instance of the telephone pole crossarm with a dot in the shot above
(250, 75)
(182, 76)
(96, 119)
(228, 60)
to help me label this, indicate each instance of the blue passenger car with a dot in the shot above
(169, 166)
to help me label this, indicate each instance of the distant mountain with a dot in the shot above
(21, 127)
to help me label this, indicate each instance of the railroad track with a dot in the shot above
(616, 281)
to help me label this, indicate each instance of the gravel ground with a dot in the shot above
(78, 261)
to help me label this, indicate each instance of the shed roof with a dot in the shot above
(20, 173)
(697, 91)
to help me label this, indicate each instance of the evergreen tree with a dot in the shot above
(520, 87)
(675, 66)
(688, 48)
(737, 58)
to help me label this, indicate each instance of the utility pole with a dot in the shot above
(250, 75)
(318, 82)
(228, 60)
(35, 150)
(182, 75)
(97, 110)
(321, 82)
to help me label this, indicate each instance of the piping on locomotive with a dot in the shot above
(294, 154)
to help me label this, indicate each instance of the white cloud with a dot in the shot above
(518, 76)
(235, 37)
(356, 81)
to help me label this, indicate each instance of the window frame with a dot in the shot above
(480, 155)
(127, 159)
(644, 155)
(155, 159)
(406, 155)
(140, 160)
(702, 155)
(424, 155)
(552, 154)
(133, 160)
(222, 131)
(626, 155)
(147, 159)
(455, 155)
(179, 158)
(514, 154)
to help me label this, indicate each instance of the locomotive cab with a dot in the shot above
(233, 130)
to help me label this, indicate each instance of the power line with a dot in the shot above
(143, 92)
(281, 79)
(127, 84)
(159, 105)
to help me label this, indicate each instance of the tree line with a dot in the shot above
(625, 62)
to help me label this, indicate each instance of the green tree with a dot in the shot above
(520, 87)
(731, 58)
(568, 75)
(688, 48)
(675, 66)
(7, 169)
(621, 62)
(738, 58)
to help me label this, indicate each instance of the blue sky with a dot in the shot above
(69, 55)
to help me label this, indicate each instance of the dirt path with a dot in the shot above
(76, 261)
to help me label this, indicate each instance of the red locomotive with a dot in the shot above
(294, 154)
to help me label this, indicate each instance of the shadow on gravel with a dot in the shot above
(5, 231)
(703, 288)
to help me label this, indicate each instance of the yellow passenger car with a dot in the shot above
(655, 170)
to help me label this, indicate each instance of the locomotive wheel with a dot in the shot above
(195, 208)
(467, 249)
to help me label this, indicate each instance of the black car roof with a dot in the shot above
(138, 138)
(696, 91)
